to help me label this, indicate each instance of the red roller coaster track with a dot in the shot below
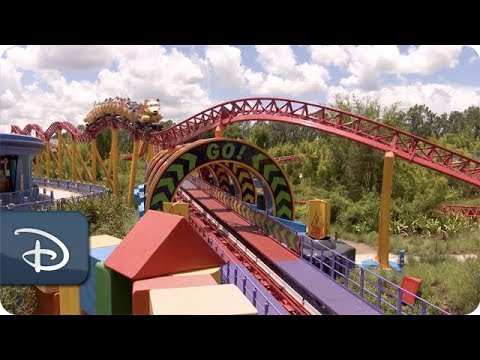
(461, 210)
(354, 127)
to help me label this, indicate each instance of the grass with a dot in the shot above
(445, 280)
(448, 283)
(18, 300)
(106, 215)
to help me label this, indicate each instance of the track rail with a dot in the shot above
(334, 121)
(461, 210)
(292, 305)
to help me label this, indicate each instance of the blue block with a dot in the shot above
(87, 289)
(370, 263)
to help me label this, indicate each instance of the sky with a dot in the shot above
(46, 83)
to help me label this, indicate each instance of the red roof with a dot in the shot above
(161, 244)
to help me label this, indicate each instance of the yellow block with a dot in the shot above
(103, 240)
(69, 300)
(214, 272)
(177, 208)
(200, 300)
(47, 289)
(318, 218)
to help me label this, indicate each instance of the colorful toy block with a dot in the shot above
(103, 240)
(113, 292)
(201, 300)
(213, 272)
(69, 300)
(87, 288)
(150, 250)
(141, 288)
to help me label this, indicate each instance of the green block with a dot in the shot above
(114, 292)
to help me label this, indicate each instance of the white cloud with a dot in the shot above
(476, 48)
(329, 54)
(439, 98)
(182, 82)
(63, 57)
(278, 60)
(227, 64)
(284, 76)
(367, 63)
(143, 72)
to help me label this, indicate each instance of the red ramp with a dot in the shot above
(161, 244)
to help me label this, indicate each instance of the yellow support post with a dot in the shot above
(59, 154)
(94, 160)
(109, 169)
(133, 172)
(74, 160)
(69, 300)
(105, 170)
(38, 164)
(114, 156)
(384, 219)
(47, 153)
(149, 152)
(84, 167)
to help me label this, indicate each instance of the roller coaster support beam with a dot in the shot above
(114, 155)
(93, 154)
(59, 154)
(384, 221)
(219, 131)
(47, 153)
(74, 160)
(133, 172)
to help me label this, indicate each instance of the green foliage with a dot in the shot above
(18, 300)
(106, 215)
(448, 282)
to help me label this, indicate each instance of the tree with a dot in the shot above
(260, 135)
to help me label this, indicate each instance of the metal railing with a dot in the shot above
(365, 284)
(19, 197)
(45, 201)
(233, 274)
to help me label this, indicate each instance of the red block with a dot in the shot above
(141, 289)
(161, 244)
(410, 284)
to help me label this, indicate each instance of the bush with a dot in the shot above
(106, 215)
(18, 300)
(447, 282)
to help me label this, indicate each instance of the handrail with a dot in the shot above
(85, 189)
(226, 271)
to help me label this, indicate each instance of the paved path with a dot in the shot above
(59, 193)
(365, 252)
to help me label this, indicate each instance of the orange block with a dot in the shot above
(47, 303)
(141, 289)
(410, 284)
(161, 244)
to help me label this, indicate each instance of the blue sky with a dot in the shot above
(41, 84)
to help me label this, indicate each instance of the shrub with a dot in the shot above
(18, 300)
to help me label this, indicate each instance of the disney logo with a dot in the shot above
(38, 251)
